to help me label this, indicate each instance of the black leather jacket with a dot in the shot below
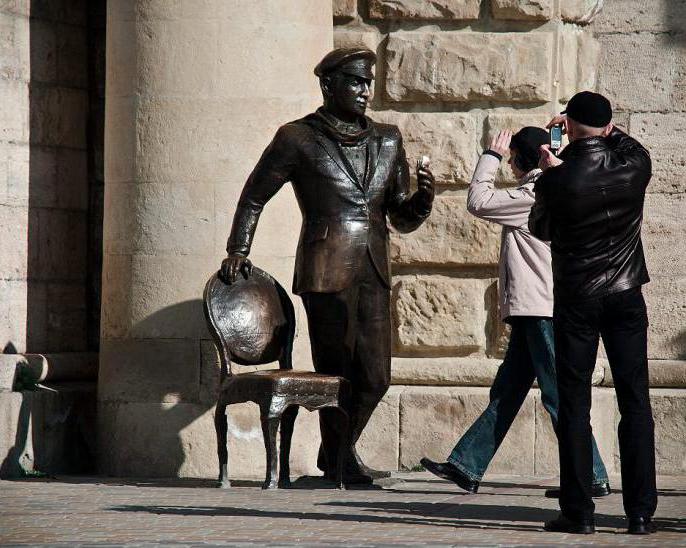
(590, 208)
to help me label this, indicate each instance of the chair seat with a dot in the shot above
(286, 381)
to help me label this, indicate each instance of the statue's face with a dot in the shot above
(350, 94)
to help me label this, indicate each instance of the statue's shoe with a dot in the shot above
(355, 470)
(367, 471)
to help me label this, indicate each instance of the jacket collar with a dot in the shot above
(588, 145)
(530, 177)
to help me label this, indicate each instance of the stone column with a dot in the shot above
(195, 91)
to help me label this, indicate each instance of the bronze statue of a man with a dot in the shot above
(349, 175)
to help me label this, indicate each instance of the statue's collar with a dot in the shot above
(342, 132)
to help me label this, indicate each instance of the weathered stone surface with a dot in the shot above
(669, 410)
(14, 122)
(14, 174)
(522, 9)
(433, 419)
(579, 52)
(513, 121)
(450, 236)
(153, 370)
(345, 9)
(14, 47)
(58, 246)
(440, 314)
(421, 9)
(635, 15)
(449, 139)
(662, 134)
(603, 422)
(58, 116)
(583, 11)
(663, 233)
(465, 66)
(656, 83)
(346, 37)
(66, 317)
(13, 224)
(444, 371)
(379, 444)
(666, 301)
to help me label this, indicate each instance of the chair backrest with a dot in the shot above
(252, 320)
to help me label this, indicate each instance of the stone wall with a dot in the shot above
(450, 74)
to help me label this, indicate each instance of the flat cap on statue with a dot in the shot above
(356, 61)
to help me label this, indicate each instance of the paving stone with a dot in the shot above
(466, 66)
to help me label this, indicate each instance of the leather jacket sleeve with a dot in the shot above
(405, 212)
(540, 220)
(630, 151)
(272, 171)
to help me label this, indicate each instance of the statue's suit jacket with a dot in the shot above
(343, 218)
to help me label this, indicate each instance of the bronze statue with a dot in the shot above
(349, 175)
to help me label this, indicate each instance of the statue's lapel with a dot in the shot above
(334, 151)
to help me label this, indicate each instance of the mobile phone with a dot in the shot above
(555, 138)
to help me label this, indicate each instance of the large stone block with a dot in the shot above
(439, 314)
(661, 135)
(449, 139)
(583, 11)
(58, 116)
(379, 444)
(72, 56)
(153, 370)
(14, 222)
(421, 9)
(14, 116)
(635, 15)
(579, 52)
(450, 236)
(641, 72)
(58, 244)
(663, 233)
(15, 62)
(661, 373)
(14, 174)
(66, 317)
(345, 9)
(529, 10)
(666, 300)
(179, 218)
(13, 313)
(669, 410)
(347, 37)
(444, 371)
(467, 66)
(433, 419)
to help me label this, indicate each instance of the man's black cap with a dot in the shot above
(356, 61)
(590, 109)
(527, 142)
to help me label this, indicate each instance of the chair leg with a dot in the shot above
(343, 448)
(220, 426)
(270, 426)
(287, 423)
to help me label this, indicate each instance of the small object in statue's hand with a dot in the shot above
(424, 162)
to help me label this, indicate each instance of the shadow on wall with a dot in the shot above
(675, 19)
(169, 384)
(66, 125)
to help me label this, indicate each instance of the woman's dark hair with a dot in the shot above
(526, 143)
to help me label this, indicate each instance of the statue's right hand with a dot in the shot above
(232, 265)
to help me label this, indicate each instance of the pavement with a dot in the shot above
(406, 510)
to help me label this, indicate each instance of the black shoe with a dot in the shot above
(562, 524)
(448, 471)
(641, 526)
(597, 490)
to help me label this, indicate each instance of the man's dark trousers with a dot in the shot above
(350, 336)
(621, 319)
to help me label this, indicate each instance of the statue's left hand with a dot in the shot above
(425, 186)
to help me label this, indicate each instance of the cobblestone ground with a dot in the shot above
(410, 509)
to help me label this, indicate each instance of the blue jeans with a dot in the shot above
(530, 354)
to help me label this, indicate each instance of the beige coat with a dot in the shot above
(525, 272)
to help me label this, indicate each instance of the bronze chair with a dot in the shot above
(252, 322)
